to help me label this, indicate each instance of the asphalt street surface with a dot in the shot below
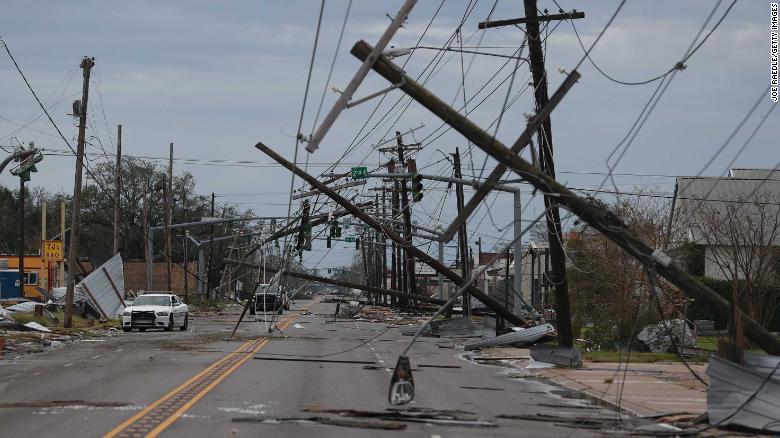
(202, 383)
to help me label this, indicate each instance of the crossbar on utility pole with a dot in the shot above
(422, 256)
(512, 21)
(595, 216)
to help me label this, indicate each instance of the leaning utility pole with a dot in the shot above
(411, 278)
(602, 220)
(462, 238)
(117, 186)
(168, 214)
(73, 254)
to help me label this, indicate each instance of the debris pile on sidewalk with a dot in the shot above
(663, 336)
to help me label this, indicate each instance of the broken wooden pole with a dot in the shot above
(595, 216)
(488, 301)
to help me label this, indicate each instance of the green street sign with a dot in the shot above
(349, 239)
(359, 172)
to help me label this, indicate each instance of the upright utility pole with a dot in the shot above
(147, 249)
(168, 214)
(61, 265)
(117, 186)
(411, 278)
(73, 254)
(463, 246)
(211, 250)
(21, 236)
(554, 232)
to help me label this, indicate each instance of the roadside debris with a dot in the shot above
(446, 327)
(524, 336)
(658, 337)
(563, 356)
(746, 395)
(382, 425)
(415, 415)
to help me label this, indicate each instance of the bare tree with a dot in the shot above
(609, 288)
(741, 238)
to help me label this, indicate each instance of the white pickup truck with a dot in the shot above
(164, 311)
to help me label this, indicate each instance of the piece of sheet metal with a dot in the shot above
(524, 336)
(746, 395)
(101, 283)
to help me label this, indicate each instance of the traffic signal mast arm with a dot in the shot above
(595, 216)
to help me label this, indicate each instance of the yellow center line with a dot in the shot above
(247, 349)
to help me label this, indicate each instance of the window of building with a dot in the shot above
(31, 278)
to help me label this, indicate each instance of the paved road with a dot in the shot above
(197, 383)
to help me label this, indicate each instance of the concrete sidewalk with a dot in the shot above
(647, 388)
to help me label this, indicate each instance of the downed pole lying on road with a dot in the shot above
(601, 219)
(334, 282)
(422, 256)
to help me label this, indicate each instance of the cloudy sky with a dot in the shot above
(214, 78)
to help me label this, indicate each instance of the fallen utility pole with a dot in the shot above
(390, 233)
(342, 283)
(595, 216)
(73, 250)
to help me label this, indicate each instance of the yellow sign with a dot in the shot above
(52, 251)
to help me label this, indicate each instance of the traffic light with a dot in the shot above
(417, 187)
(27, 161)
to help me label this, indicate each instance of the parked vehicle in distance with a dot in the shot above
(267, 298)
(159, 310)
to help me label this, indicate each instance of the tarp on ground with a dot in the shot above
(105, 287)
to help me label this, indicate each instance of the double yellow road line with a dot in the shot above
(156, 417)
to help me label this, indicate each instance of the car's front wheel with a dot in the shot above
(169, 327)
(186, 322)
(127, 329)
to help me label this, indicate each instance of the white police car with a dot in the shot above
(161, 310)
